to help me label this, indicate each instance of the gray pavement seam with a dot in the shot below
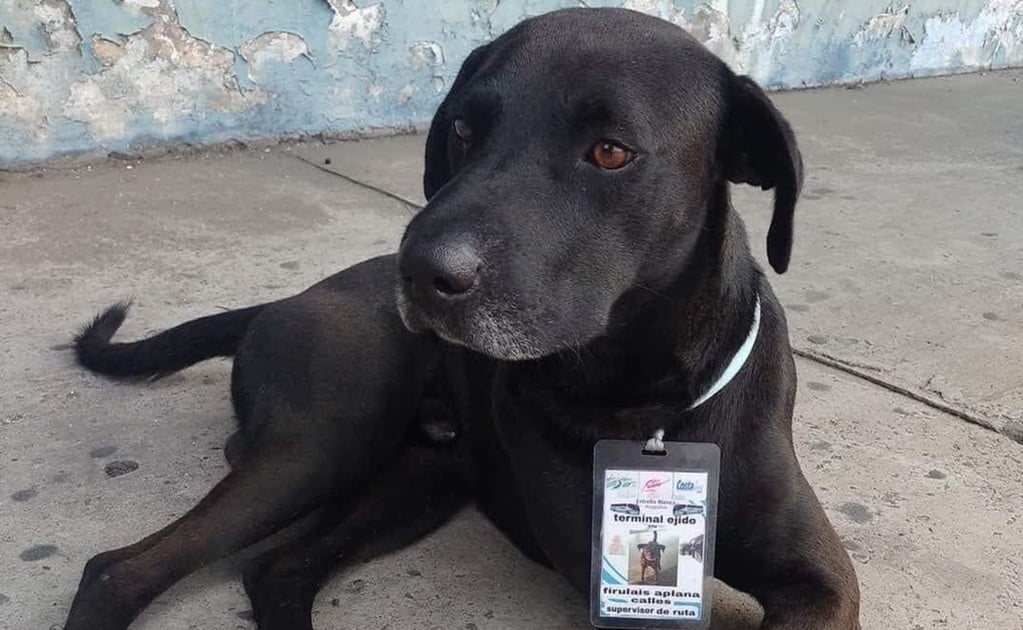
(930, 401)
(357, 182)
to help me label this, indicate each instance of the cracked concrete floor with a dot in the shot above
(908, 271)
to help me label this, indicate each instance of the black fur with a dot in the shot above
(543, 303)
(163, 353)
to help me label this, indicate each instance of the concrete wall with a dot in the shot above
(104, 75)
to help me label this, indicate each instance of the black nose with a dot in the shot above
(440, 273)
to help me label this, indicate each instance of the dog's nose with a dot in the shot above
(442, 272)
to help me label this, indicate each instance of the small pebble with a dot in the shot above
(356, 586)
(327, 161)
(13, 419)
(414, 572)
(936, 474)
(335, 602)
(120, 467)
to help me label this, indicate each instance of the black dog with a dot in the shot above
(577, 274)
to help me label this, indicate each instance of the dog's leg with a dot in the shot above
(411, 499)
(795, 567)
(806, 602)
(269, 491)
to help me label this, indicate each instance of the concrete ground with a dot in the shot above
(904, 303)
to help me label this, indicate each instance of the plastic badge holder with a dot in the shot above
(654, 519)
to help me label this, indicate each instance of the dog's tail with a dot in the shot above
(164, 353)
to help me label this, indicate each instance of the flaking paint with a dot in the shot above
(102, 75)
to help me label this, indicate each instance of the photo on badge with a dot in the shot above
(653, 559)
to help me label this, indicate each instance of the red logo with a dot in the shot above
(653, 484)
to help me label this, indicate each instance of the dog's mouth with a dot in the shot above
(496, 329)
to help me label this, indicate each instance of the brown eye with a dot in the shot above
(610, 156)
(463, 131)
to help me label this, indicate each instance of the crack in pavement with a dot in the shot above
(357, 182)
(853, 369)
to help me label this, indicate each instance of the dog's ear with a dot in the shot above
(759, 148)
(438, 165)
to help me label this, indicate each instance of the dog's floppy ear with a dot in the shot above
(438, 166)
(759, 148)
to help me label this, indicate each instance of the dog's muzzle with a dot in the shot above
(438, 284)
(437, 278)
(441, 289)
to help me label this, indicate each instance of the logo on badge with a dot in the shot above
(652, 485)
(620, 483)
(688, 485)
(655, 487)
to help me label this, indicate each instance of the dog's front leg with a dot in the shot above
(273, 487)
(808, 603)
(793, 562)
(412, 498)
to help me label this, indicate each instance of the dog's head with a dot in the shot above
(573, 161)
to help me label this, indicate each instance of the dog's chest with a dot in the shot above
(553, 481)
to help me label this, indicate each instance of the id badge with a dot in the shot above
(654, 517)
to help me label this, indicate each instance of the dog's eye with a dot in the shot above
(610, 155)
(463, 131)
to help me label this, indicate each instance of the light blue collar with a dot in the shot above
(738, 360)
(656, 442)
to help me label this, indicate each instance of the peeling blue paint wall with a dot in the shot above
(102, 75)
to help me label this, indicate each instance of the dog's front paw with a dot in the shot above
(106, 598)
(281, 593)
